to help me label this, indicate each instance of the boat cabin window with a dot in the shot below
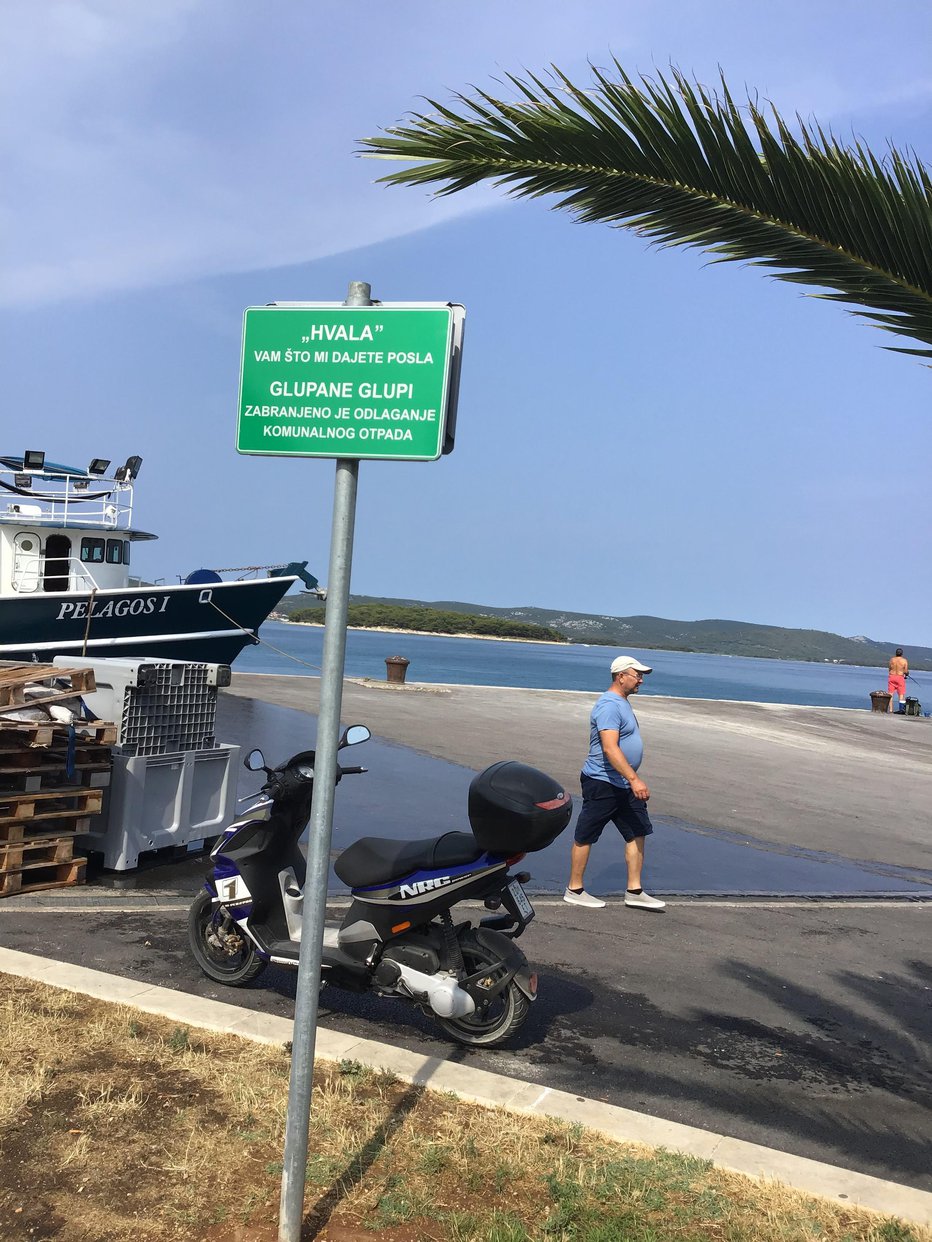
(114, 551)
(125, 551)
(92, 551)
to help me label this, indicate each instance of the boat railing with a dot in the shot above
(31, 572)
(66, 500)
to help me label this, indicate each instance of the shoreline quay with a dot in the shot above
(490, 638)
(446, 687)
(786, 773)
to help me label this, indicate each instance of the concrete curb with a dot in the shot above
(491, 1090)
(78, 902)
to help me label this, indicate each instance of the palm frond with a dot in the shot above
(682, 165)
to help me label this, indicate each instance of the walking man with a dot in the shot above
(612, 789)
(896, 680)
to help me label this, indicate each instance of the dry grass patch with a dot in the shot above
(118, 1125)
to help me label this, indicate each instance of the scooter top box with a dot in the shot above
(514, 808)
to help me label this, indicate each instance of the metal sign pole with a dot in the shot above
(301, 1083)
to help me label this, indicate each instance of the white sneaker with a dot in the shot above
(644, 901)
(583, 899)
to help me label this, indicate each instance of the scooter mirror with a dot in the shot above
(355, 734)
(255, 761)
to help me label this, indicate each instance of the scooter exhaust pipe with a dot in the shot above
(444, 995)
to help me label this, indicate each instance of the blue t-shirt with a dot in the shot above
(613, 711)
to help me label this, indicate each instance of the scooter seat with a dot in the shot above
(373, 860)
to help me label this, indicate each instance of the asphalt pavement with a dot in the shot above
(804, 1027)
(801, 1024)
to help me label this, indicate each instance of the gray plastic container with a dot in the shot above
(158, 706)
(159, 801)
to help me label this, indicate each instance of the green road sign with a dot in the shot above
(327, 380)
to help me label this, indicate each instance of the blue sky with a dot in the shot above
(639, 431)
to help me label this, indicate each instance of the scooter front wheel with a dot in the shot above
(219, 947)
(496, 1020)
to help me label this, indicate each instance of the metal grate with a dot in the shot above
(173, 710)
(159, 707)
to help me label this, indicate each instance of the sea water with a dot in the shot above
(297, 649)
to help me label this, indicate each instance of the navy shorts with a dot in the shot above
(602, 802)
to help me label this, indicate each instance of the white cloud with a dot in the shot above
(133, 160)
(147, 144)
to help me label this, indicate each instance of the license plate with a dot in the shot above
(519, 897)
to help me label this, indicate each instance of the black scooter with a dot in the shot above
(398, 937)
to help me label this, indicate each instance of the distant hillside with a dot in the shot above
(433, 621)
(715, 637)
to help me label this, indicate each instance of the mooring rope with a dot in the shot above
(264, 642)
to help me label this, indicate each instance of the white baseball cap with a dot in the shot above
(621, 663)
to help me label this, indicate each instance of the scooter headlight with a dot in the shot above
(304, 771)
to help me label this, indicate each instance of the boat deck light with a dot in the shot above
(127, 472)
(23, 480)
(33, 460)
(99, 465)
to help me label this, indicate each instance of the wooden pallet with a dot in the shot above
(34, 769)
(50, 804)
(98, 732)
(101, 732)
(16, 756)
(35, 876)
(34, 852)
(14, 764)
(14, 678)
(36, 829)
(46, 733)
(46, 776)
(32, 733)
(42, 783)
(52, 779)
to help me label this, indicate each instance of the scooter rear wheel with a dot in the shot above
(233, 964)
(497, 1020)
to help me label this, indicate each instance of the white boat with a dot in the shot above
(66, 546)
